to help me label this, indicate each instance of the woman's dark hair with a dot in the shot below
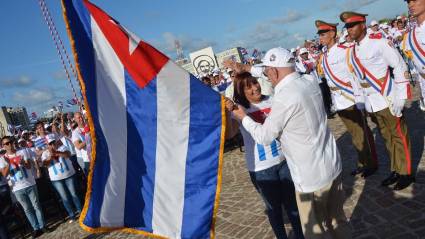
(38, 123)
(242, 80)
(206, 80)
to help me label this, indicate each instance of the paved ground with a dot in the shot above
(374, 211)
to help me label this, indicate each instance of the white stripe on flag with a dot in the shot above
(112, 112)
(173, 102)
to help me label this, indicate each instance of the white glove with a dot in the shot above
(397, 106)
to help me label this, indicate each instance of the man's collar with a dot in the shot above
(286, 80)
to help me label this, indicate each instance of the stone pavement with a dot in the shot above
(374, 211)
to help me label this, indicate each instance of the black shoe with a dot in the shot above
(46, 230)
(368, 172)
(403, 182)
(358, 170)
(36, 234)
(393, 178)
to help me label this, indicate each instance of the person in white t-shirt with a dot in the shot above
(81, 141)
(61, 173)
(266, 164)
(16, 167)
(31, 155)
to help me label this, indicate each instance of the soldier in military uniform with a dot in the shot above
(333, 65)
(370, 59)
(413, 44)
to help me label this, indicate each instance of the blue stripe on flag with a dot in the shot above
(80, 25)
(40, 143)
(202, 160)
(275, 152)
(141, 131)
(261, 152)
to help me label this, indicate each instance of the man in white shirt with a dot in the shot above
(383, 79)
(80, 140)
(334, 68)
(414, 44)
(299, 121)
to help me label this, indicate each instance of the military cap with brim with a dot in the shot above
(352, 17)
(325, 26)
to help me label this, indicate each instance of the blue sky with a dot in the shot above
(31, 74)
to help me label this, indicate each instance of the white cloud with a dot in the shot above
(40, 99)
(33, 96)
(348, 5)
(59, 75)
(188, 43)
(289, 17)
(326, 5)
(21, 81)
(356, 4)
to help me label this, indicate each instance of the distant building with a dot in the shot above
(16, 117)
(4, 121)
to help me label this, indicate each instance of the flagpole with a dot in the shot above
(57, 41)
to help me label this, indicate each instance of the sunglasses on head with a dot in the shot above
(352, 24)
(52, 143)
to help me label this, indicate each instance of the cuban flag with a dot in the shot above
(11, 128)
(158, 133)
(72, 101)
(34, 115)
(244, 51)
(60, 106)
(255, 53)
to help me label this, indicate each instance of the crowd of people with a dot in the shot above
(280, 105)
(58, 151)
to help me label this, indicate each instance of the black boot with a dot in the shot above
(393, 178)
(368, 172)
(404, 182)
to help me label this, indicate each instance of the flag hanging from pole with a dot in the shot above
(158, 133)
(33, 116)
(72, 101)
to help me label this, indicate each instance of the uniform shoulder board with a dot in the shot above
(375, 36)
